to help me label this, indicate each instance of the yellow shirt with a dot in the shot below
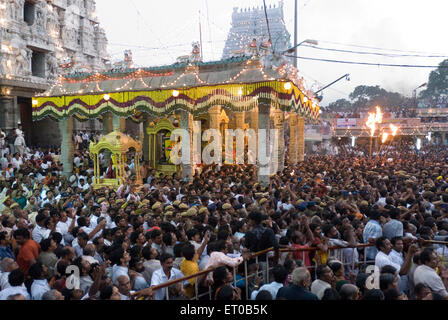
(189, 267)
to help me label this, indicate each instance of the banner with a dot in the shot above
(346, 123)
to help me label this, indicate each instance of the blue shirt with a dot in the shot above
(373, 230)
(6, 252)
(393, 228)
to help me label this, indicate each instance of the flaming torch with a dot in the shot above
(394, 129)
(384, 136)
(371, 122)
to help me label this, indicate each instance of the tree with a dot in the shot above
(367, 92)
(364, 97)
(437, 83)
(340, 104)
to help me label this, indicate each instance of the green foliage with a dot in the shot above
(364, 97)
(437, 82)
(340, 104)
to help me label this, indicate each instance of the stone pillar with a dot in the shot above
(66, 128)
(253, 124)
(116, 123)
(107, 123)
(279, 121)
(123, 125)
(214, 114)
(293, 141)
(263, 123)
(300, 138)
(131, 128)
(253, 119)
(186, 122)
(239, 120)
(8, 119)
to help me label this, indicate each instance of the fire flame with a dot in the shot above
(373, 119)
(378, 115)
(384, 138)
(394, 129)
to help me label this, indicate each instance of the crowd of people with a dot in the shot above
(128, 242)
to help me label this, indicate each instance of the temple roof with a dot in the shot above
(239, 84)
(179, 75)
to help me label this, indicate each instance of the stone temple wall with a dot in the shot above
(40, 40)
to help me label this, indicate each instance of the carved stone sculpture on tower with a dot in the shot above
(18, 9)
(40, 20)
(22, 62)
(10, 12)
(53, 23)
(52, 67)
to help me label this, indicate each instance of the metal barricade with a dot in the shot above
(268, 268)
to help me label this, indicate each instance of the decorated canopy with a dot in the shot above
(118, 144)
(237, 83)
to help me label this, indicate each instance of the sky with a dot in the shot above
(158, 32)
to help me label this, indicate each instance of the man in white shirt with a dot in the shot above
(45, 165)
(382, 200)
(83, 184)
(39, 231)
(15, 279)
(63, 225)
(19, 144)
(39, 272)
(77, 161)
(80, 243)
(16, 161)
(8, 265)
(85, 138)
(181, 194)
(280, 275)
(396, 255)
(325, 279)
(124, 287)
(18, 130)
(383, 257)
(426, 273)
(120, 259)
(164, 274)
(4, 161)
